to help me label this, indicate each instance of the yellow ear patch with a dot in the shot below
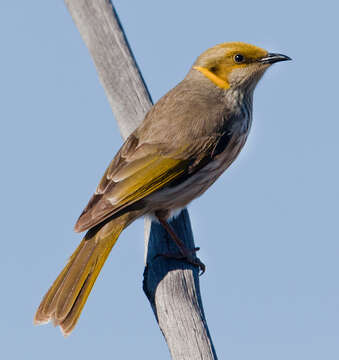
(223, 84)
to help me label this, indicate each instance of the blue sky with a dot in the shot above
(268, 229)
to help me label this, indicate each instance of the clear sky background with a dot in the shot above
(268, 229)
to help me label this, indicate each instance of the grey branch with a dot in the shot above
(171, 286)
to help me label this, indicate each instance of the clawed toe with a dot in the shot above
(201, 265)
(193, 260)
(196, 262)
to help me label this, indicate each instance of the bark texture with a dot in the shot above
(172, 286)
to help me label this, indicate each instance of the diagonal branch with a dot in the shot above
(171, 286)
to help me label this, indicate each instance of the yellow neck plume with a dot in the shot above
(221, 83)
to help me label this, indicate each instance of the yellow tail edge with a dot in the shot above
(67, 296)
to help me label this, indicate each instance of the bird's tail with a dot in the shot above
(67, 296)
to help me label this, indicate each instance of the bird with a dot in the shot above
(185, 142)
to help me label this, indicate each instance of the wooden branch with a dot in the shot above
(171, 286)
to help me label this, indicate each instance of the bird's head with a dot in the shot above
(235, 64)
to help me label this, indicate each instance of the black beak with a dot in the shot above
(272, 58)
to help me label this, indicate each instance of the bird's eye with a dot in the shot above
(239, 58)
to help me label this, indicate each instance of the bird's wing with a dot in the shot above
(136, 171)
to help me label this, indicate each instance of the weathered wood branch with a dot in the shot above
(171, 286)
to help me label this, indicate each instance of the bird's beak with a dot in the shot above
(272, 58)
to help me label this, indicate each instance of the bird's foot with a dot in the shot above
(185, 254)
(189, 257)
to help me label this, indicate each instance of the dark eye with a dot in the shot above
(239, 58)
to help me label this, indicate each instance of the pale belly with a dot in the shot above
(176, 197)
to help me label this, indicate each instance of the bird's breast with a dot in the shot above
(233, 135)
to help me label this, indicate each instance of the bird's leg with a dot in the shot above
(186, 254)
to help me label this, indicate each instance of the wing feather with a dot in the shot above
(131, 176)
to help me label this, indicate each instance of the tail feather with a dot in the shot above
(45, 311)
(67, 296)
(70, 288)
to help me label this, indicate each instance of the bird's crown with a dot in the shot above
(231, 54)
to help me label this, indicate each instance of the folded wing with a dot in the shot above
(136, 171)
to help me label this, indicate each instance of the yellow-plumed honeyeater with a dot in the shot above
(185, 142)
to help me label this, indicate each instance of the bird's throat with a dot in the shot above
(221, 83)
